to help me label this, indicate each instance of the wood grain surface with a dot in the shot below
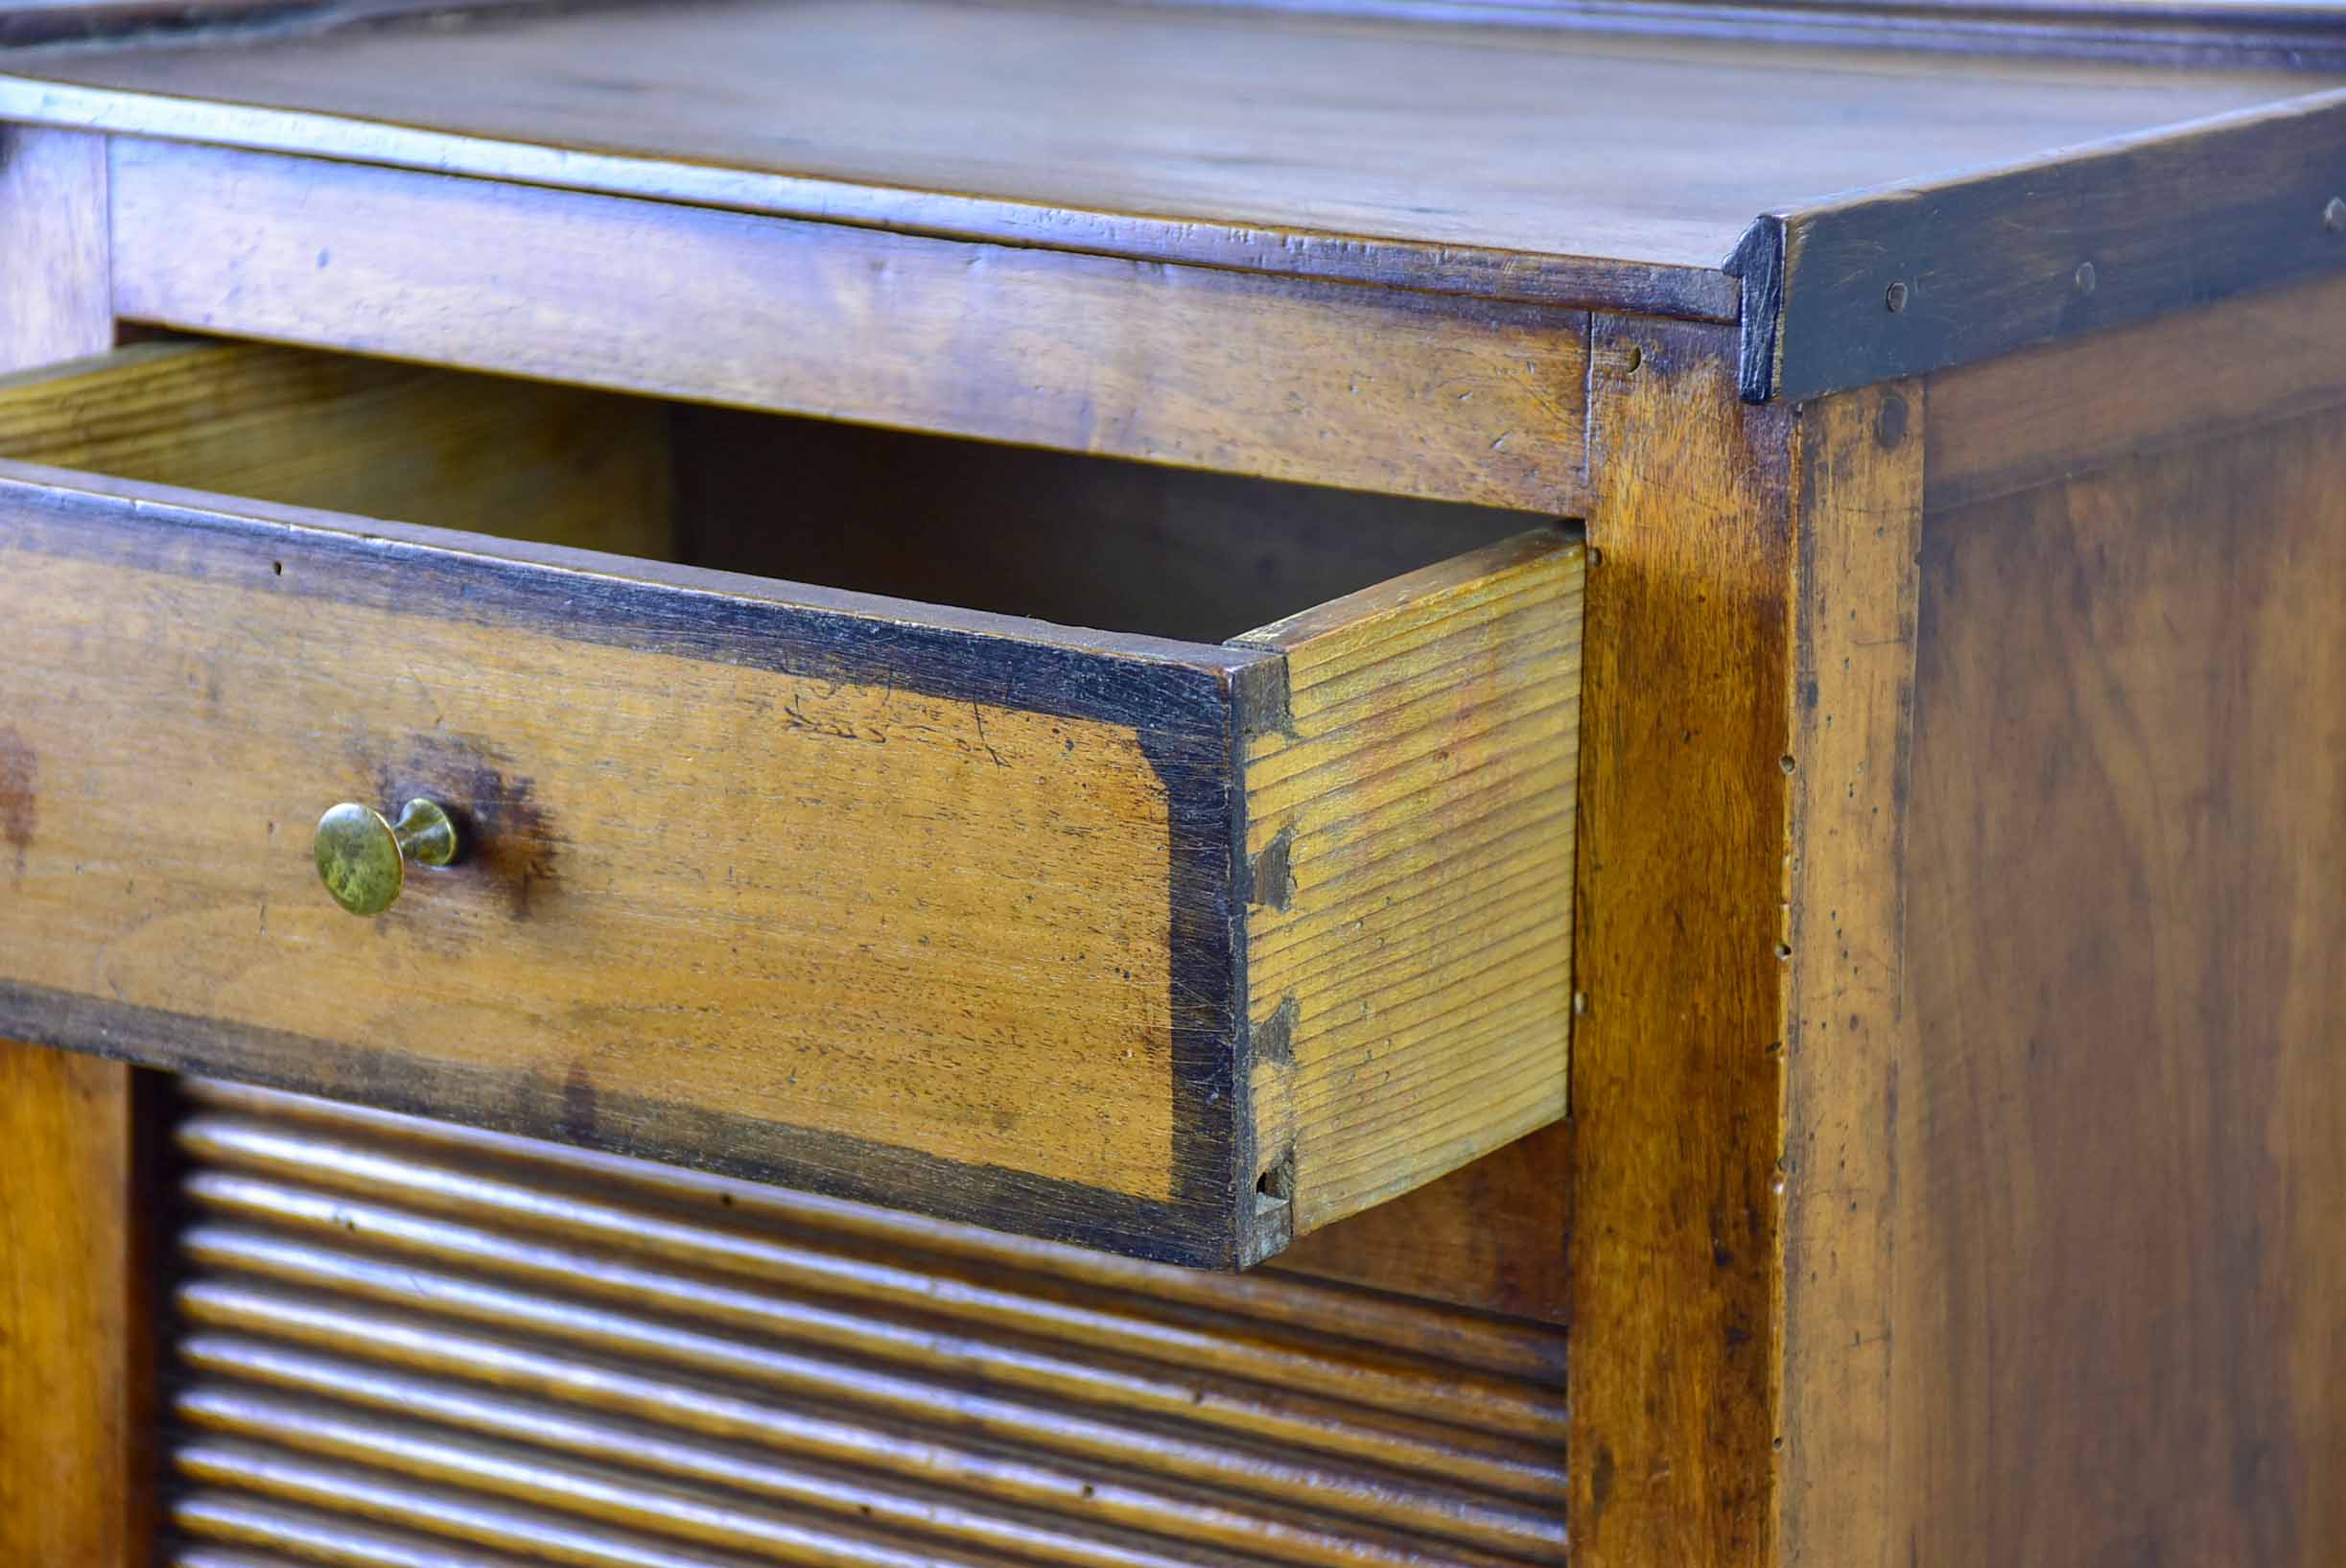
(1577, 170)
(1490, 1235)
(1409, 933)
(1858, 467)
(2023, 421)
(347, 435)
(58, 301)
(1676, 1062)
(77, 1329)
(636, 952)
(2120, 1302)
(1377, 390)
(396, 1326)
(2302, 36)
(77, 1335)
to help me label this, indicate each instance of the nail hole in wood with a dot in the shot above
(1276, 1185)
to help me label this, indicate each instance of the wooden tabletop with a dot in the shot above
(1497, 150)
(1555, 167)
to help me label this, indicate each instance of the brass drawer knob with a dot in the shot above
(362, 856)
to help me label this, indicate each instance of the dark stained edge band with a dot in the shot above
(833, 1164)
(1905, 279)
(1264, 1226)
(1187, 718)
(1758, 265)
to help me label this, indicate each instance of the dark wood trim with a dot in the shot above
(1915, 278)
(808, 1159)
(1757, 266)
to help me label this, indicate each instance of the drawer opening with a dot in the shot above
(1120, 924)
(1062, 537)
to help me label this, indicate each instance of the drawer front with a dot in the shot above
(937, 909)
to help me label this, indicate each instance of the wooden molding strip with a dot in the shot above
(1480, 272)
(2272, 36)
(1914, 277)
(1278, 378)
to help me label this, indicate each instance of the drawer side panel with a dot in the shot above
(1409, 946)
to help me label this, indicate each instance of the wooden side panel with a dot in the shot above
(1409, 934)
(394, 1326)
(347, 435)
(885, 905)
(1675, 1062)
(2063, 1248)
(1328, 384)
(2120, 1300)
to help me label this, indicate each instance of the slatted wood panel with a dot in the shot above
(402, 1342)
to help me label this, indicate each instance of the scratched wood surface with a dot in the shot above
(1409, 933)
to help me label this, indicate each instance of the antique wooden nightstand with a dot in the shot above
(603, 976)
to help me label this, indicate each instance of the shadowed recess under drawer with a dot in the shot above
(402, 1340)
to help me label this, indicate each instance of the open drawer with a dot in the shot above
(1173, 948)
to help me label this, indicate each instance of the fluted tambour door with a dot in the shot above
(405, 1343)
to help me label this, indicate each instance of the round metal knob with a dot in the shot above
(362, 856)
